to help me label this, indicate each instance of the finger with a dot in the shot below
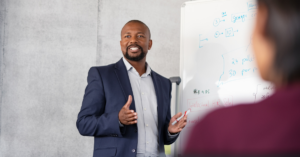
(132, 122)
(132, 118)
(180, 123)
(184, 118)
(129, 112)
(183, 125)
(128, 103)
(130, 115)
(177, 115)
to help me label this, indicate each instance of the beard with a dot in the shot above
(136, 58)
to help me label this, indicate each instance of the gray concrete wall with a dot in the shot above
(46, 49)
(2, 11)
(49, 47)
(163, 19)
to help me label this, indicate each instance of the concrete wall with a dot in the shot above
(2, 11)
(49, 47)
(46, 49)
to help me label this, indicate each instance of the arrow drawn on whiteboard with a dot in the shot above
(217, 21)
(201, 40)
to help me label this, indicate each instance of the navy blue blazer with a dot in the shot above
(106, 93)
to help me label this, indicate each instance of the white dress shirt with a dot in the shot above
(146, 109)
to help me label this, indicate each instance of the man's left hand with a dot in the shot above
(173, 129)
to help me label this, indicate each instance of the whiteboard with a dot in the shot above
(217, 65)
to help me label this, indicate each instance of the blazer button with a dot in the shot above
(133, 150)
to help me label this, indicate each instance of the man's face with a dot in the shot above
(135, 41)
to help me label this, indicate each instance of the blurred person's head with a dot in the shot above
(276, 40)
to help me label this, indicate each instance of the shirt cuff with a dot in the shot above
(120, 124)
(174, 135)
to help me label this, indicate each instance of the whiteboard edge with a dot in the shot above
(179, 146)
(196, 1)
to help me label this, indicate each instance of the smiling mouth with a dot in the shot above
(134, 48)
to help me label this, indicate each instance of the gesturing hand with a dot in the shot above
(179, 125)
(126, 116)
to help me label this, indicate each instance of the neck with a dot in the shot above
(277, 79)
(139, 66)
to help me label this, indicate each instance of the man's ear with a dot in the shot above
(150, 44)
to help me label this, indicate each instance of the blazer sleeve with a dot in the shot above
(92, 120)
(167, 138)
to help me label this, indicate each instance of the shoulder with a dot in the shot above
(160, 77)
(216, 127)
(109, 68)
(101, 70)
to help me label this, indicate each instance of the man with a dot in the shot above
(126, 105)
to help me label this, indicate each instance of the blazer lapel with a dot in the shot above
(122, 75)
(157, 86)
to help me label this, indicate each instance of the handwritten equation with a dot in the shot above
(263, 92)
(239, 17)
(237, 64)
(251, 6)
(197, 91)
(203, 103)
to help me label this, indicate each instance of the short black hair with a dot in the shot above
(283, 29)
(138, 21)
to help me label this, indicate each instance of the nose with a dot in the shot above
(133, 40)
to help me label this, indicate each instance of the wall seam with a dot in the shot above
(3, 63)
(97, 60)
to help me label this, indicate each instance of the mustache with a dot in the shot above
(134, 45)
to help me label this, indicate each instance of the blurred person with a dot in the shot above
(270, 127)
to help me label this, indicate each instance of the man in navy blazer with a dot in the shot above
(110, 111)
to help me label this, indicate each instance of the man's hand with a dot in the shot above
(173, 129)
(126, 116)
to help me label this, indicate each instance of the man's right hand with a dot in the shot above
(126, 116)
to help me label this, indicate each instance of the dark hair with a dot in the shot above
(283, 28)
(138, 21)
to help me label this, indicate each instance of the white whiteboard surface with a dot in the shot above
(217, 65)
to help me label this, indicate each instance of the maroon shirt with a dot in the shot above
(271, 126)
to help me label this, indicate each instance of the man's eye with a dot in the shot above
(140, 36)
(127, 36)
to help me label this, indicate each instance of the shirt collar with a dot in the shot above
(129, 67)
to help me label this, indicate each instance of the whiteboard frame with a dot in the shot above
(179, 145)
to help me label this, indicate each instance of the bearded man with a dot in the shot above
(126, 106)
